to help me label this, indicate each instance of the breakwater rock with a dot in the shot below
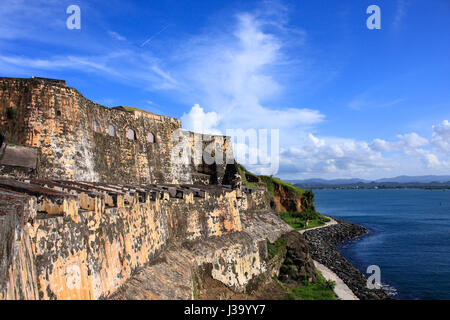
(323, 245)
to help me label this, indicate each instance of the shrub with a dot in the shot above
(278, 248)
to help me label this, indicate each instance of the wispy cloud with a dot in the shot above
(235, 75)
(116, 36)
(370, 100)
(400, 14)
(18, 18)
(84, 63)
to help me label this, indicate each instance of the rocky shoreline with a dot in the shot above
(323, 245)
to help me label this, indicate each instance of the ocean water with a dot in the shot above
(409, 238)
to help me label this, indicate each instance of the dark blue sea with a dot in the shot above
(409, 238)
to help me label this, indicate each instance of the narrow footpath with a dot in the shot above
(341, 290)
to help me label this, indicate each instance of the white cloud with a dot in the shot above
(441, 137)
(332, 157)
(123, 66)
(429, 159)
(233, 72)
(198, 120)
(235, 75)
(168, 83)
(321, 157)
(405, 142)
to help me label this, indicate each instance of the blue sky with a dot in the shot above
(348, 101)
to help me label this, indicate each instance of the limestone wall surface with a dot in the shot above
(17, 267)
(81, 140)
(72, 240)
(93, 203)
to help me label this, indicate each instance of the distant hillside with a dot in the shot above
(328, 182)
(400, 181)
(413, 179)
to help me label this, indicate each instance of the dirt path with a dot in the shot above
(341, 290)
(327, 224)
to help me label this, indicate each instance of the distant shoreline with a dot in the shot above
(372, 187)
(399, 182)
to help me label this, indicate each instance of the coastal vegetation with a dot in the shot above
(294, 281)
(252, 180)
(304, 220)
(246, 176)
(277, 249)
(322, 290)
(272, 182)
(295, 205)
(288, 281)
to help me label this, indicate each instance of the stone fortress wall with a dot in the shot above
(71, 240)
(79, 139)
(92, 205)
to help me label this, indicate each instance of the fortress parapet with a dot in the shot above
(82, 240)
(78, 139)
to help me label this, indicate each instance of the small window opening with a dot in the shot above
(112, 130)
(131, 134)
(95, 124)
(151, 138)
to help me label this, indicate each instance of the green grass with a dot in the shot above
(322, 290)
(133, 109)
(271, 181)
(297, 220)
(243, 172)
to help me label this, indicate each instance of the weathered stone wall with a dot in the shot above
(81, 140)
(88, 243)
(137, 212)
(212, 156)
(17, 268)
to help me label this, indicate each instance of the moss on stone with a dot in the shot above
(244, 172)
